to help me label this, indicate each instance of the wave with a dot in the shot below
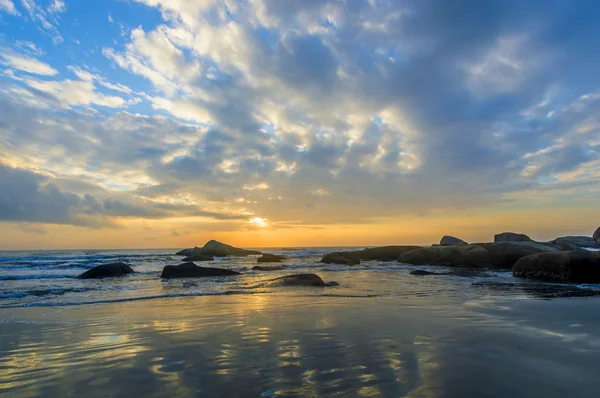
(39, 292)
(71, 258)
(29, 277)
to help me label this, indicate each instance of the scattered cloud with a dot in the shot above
(9, 7)
(27, 64)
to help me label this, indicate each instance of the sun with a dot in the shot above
(259, 222)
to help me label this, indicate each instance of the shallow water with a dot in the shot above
(383, 332)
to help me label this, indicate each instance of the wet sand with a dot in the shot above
(293, 344)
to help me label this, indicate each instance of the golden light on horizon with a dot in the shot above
(259, 222)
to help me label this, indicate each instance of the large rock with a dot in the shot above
(385, 253)
(191, 270)
(270, 258)
(506, 254)
(186, 252)
(574, 242)
(470, 256)
(198, 257)
(451, 241)
(344, 258)
(217, 249)
(511, 237)
(107, 271)
(297, 280)
(597, 236)
(576, 266)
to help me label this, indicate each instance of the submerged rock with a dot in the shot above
(448, 240)
(344, 258)
(270, 258)
(198, 257)
(576, 266)
(511, 237)
(191, 270)
(597, 236)
(297, 280)
(268, 267)
(107, 271)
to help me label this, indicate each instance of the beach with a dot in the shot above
(382, 332)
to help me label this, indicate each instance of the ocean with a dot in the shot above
(381, 332)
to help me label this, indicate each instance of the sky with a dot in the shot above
(166, 123)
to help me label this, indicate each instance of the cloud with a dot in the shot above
(8, 7)
(27, 64)
(57, 6)
(47, 19)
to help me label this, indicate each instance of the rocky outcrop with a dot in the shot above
(448, 240)
(198, 257)
(344, 258)
(576, 266)
(574, 243)
(217, 249)
(191, 270)
(471, 256)
(480, 255)
(511, 237)
(270, 258)
(384, 253)
(107, 271)
(268, 267)
(597, 236)
(297, 280)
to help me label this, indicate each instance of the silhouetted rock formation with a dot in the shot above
(270, 258)
(574, 242)
(384, 253)
(511, 237)
(191, 270)
(297, 280)
(576, 266)
(597, 236)
(107, 271)
(451, 241)
(217, 249)
(344, 258)
(198, 257)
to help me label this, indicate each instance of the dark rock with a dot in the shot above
(297, 280)
(576, 266)
(198, 257)
(506, 254)
(344, 258)
(331, 284)
(270, 258)
(597, 236)
(191, 270)
(420, 272)
(472, 256)
(511, 237)
(186, 252)
(107, 271)
(566, 243)
(451, 241)
(385, 253)
(268, 268)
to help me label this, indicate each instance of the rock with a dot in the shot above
(471, 256)
(344, 258)
(191, 270)
(575, 266)
(451, 241)
(186, 252)
(420, 272)
(297, 280)
(511, 237)
(268, 267)
(574, 242)
(219, 249)
(597, 236)
(270, 258)
(506, 254)
(198, 257)
(331, 284)
(107, 271)
(385, 253)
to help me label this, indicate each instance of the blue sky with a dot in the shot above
(175, 120)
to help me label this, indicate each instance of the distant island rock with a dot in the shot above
(451, 241)
(511, 237)
(216, 249)
(107, 271)
(191, 270)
